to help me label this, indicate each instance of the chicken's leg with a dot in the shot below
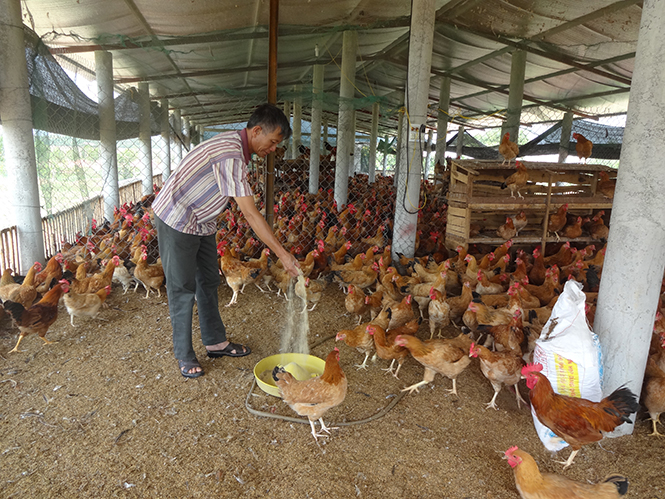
(518, 396)
(569, 461)
(655, 432)
(15, 349)
(364, 364)
(492, 403)
(390, 369)
(326, 428)
(454, 389)
(415, 387)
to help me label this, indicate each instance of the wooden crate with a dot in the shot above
(475, 198)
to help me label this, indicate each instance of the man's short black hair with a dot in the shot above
(269, 117)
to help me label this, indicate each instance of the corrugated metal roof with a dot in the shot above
(210, 57)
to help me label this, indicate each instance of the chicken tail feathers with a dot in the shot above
(504, 185)
(622, 403)
(14, 309)
(621, 483)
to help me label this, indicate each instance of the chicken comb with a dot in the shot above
(336, 349)
(511, 450)
(529, 368)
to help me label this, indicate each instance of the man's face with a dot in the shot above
(263, 142)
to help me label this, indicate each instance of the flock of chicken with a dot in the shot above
(501, 299)
(82, 274)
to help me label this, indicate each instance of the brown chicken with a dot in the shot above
(532, 484)
(151, 276)
(97, 281)
(500, 368)
(606, 185)
(459, 304)
(86, 305)
(557, 221)
(576, 420)
(374, 303)
(354, 301)
(653, 394)
(401, 313)
(546, 291)
(506, 337)
(439, 312)
(561, 258)
(517, 180)
(387, 349)
(509, 150)
(583, 147)
(537, 272)
(236, 273)
(507, 230)
(597, 228)
(520, 221)
(313, 397)
(362, 279)
(574, 230)
(52, 272)
(24, 293)
(359, 339)
(39, 317)
(447, 357)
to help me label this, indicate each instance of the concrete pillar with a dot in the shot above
(297, 123)
(385, 154)
(186, 134)
(177, 139)
(19, 146)
(628, 294)
(357, 158)
(165, 147)
(325, 130)
(460, 141)
(566, 128)
(516, 93)
(145, 138)
(108, 155)
(399, 143)
(428, 152)
(287, 113)
(374, 136)
(315, 137)
(345, 125)
(442, 121)
(421, 40)
(353, 148)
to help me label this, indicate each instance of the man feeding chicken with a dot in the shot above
(186, 210)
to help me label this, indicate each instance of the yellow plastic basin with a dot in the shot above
(300, 365)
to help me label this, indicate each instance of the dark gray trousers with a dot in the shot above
(191, 270)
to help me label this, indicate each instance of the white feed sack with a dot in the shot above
(570, 354)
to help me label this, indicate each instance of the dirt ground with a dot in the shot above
(104, 412)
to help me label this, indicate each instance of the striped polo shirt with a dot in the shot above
(197, 192)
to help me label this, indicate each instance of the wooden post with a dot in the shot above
(546, 218)
(272, 99)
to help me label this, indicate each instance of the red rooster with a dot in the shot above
(576, 420)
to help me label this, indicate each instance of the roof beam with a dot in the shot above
(260, 32)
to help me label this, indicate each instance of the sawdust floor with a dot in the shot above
(104, 412)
